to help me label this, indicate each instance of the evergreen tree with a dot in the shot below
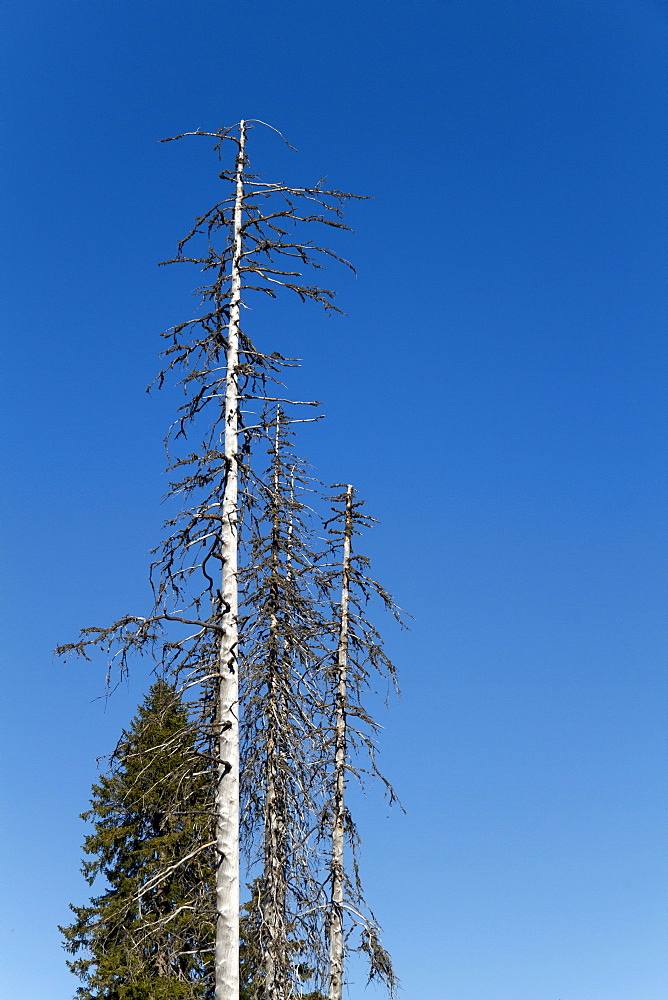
(149, 935)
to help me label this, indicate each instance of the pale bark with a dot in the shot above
(227, 785)
(336, 944)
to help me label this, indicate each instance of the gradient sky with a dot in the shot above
(496, 391)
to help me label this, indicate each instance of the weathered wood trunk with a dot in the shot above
(339, 808)
(227, 786)
(274, 844)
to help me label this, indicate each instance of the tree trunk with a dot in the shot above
(339, 809)
(227, 786)
(274, 860)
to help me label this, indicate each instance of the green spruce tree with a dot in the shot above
(149, 934)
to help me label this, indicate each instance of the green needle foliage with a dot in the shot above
(149, 935)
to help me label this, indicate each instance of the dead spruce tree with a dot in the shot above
(281, 697)
(250, 241)
(351, 749)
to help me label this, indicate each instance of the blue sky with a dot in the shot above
(496, 391)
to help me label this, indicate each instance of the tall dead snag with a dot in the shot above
(338, 807)
(358, 653)
(281, 700)
(250, 241)
(227, 722)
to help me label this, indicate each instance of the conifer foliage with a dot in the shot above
(149, 934)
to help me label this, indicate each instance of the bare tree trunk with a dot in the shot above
(339, 809)
(227, 785)
(274, 860)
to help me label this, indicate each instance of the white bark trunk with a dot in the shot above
(227, 786)
(339, 812)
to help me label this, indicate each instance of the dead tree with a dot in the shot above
(351, 749)
(281, 700)
(248, 242)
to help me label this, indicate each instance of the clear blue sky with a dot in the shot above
(496, 391)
